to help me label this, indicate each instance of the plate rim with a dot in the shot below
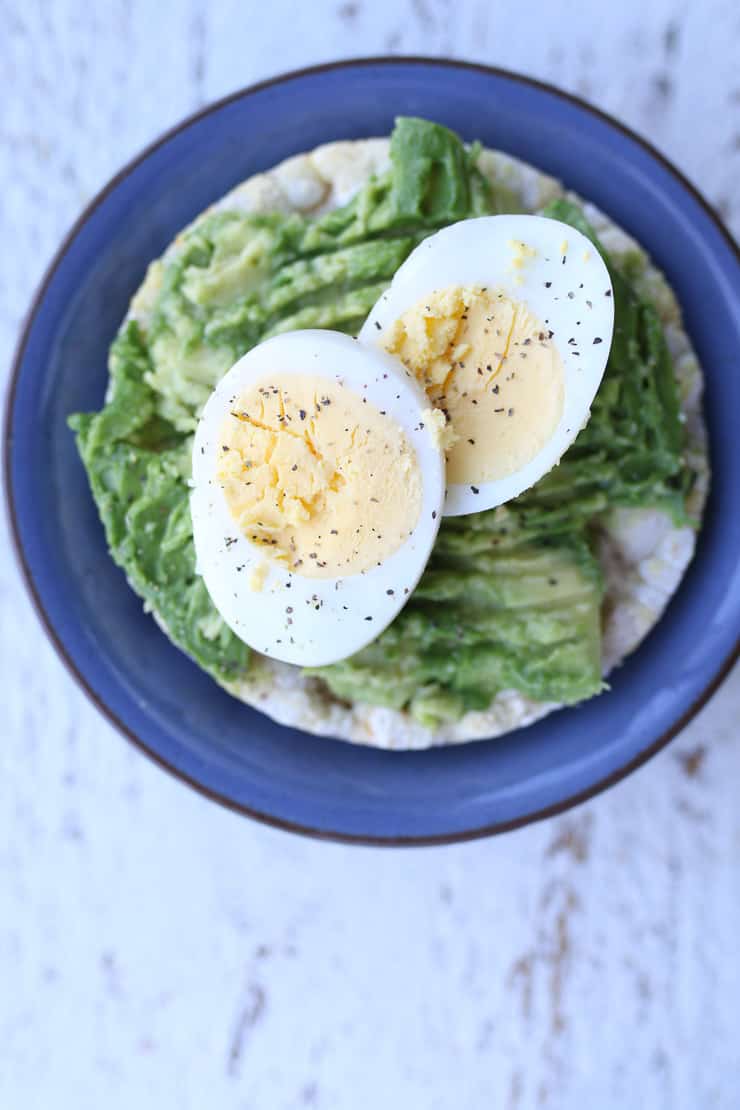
(490, 829)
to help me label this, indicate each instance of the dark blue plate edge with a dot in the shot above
(289, 826)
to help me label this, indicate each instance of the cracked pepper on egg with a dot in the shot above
(493, 370)
(326, 483)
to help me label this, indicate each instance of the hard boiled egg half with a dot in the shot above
(317, 495)
(506, 321)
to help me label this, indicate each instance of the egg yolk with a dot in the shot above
(492, 369)
(317, 475)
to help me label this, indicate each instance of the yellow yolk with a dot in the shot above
(257, 577)
(328, 483)
(492, 369)
(441, 432)
(521, 253)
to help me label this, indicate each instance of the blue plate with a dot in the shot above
(162, 701)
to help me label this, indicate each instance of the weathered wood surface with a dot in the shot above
(156, 951)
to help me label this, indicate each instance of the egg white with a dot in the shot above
(329, 615)
(565, 283)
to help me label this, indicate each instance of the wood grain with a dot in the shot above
(156, 951)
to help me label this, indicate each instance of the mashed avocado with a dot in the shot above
(511, 597)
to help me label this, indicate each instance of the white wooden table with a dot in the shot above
(156, 951)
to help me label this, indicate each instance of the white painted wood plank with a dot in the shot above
(156, 951)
